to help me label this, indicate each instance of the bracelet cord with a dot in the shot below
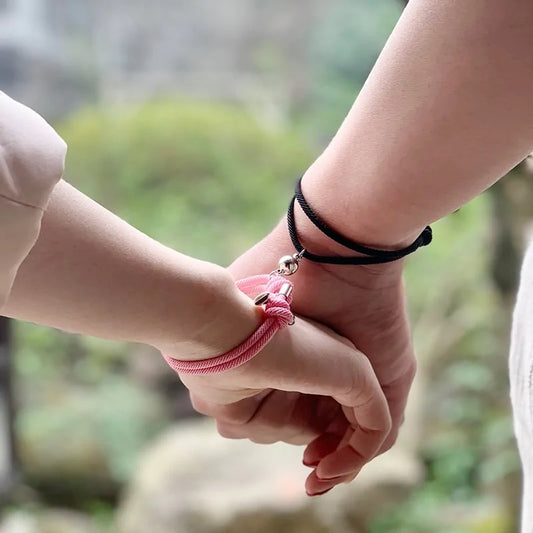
(277, 315)
(371, 255)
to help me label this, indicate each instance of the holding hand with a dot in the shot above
(366, 305)
(307, 386)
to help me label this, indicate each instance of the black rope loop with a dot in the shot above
(371, 255)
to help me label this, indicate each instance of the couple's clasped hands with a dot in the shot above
(336, 380)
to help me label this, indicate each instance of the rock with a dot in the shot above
(147, 368)
(84, 442)
(193, 481)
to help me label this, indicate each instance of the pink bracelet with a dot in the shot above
(274, 292)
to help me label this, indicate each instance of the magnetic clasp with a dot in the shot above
(262, 298)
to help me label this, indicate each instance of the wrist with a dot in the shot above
(357, 216)
(372, 276)
(317, 242)
(223, 317)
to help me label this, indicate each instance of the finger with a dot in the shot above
(286, 416)
(216, 390)
(323, 366)
(291, 417)
(323, 363)
(397, 394)
(327, 442)
(271, 422)
(240, 412)
(314, 486)
(349, 458)
(319, 448)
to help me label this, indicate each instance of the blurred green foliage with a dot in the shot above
(343, 50)
(210, 181)
(461, 335)
(204, 178)
(77, 428)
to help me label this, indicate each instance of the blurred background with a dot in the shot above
(160, 102)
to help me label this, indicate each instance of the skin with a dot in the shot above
(445, 113)
(92, 273)
(450, 97)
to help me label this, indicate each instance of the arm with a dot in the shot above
(445, 112)
(92, 273)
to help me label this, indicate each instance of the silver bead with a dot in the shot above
(288, 265)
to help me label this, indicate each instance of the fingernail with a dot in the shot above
(339, 476)
(311, 465)
(318, 493)
(326, 479)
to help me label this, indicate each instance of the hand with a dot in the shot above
(364, 304)
(32, 155)
(307, 383)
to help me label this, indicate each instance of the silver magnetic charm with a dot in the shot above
(286, 290)
(288, 264)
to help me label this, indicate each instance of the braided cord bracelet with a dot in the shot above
(272, 291)
(370, 255)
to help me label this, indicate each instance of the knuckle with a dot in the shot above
(228, 431)
(262, 439)
(403, 379)
(199, 405)
(411, 369)
(359, 383)
(388, 424)
(390, 441)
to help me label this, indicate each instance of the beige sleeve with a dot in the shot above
(521, 380)
(31, 163)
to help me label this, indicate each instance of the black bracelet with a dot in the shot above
(373, 256)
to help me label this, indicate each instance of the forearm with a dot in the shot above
(446, 111)
(92, 273)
